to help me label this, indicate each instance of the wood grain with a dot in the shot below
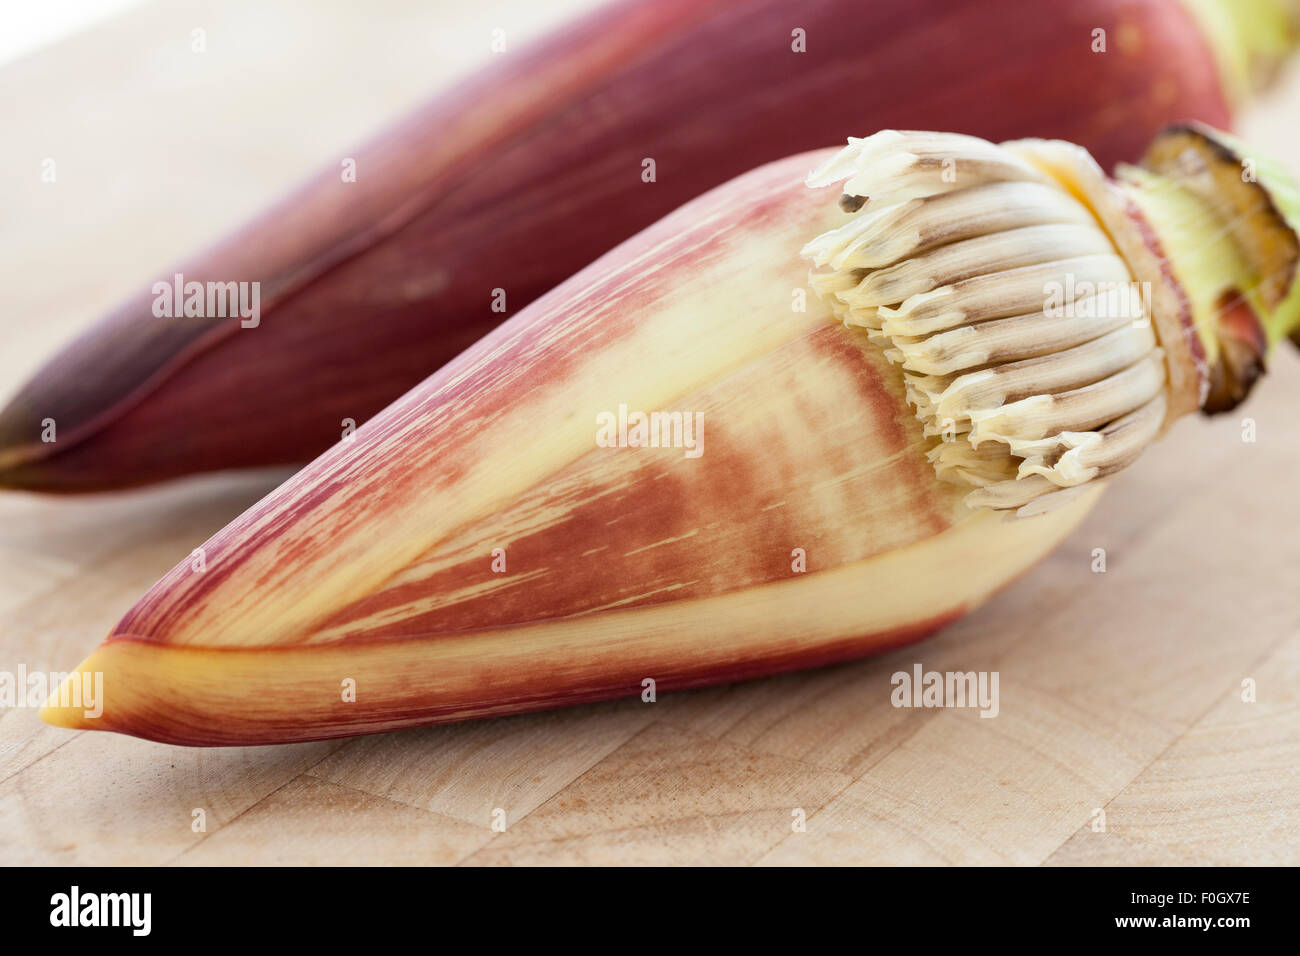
(1120, 691)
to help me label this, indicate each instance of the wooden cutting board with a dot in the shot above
(1121, 692)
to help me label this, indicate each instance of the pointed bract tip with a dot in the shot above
(78, 702)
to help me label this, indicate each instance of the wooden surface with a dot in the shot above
(1120, 691)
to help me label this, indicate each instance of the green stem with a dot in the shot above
(1250, 39)
(1228, 220)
